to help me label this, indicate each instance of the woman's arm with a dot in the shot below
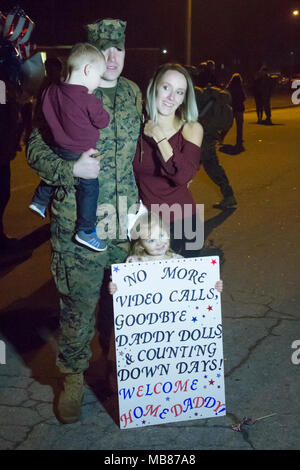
(178, 166)
(184, 163)
(153, 130)
(192, 132)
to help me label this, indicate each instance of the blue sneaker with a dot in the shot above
(38, 208)
(90, 240)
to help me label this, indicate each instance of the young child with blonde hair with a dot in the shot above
(150, 241)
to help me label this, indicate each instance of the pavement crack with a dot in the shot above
(253, 347)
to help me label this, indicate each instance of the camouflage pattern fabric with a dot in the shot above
(219, 117)
(107, 33)
(214, 170)
(78, 273)
(209, 158)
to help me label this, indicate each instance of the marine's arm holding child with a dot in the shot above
(53, 169)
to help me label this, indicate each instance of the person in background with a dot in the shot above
(216, 117)
(54, 68)
(266, 86)
(236, 89)
(262, 91)
(8, 150)
(211, 67)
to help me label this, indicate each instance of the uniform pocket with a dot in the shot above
(63, 269)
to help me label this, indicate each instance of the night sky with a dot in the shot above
(239, 31)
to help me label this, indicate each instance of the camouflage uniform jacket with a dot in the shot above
(117, 145)
(213, 123)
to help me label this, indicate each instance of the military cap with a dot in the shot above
(107, 33)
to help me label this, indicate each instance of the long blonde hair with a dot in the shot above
(143, 230)
(188, 110)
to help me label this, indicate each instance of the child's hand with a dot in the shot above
(219, 286)
(134, 259)
(112, 288)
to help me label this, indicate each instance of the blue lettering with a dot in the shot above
(170, 387)
(127, 393)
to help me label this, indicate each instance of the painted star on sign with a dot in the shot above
(209, 307)
(213, 261)
(116, 269)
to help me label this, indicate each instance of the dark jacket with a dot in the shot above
(237, 97)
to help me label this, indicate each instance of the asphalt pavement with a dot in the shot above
(259, 249)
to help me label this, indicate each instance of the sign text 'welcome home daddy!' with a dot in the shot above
(169, 348)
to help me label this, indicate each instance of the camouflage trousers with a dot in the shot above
(214, 170)
(79, 274)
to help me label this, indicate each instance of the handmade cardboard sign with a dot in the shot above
(168, 334)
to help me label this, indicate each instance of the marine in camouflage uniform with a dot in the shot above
(212, 136)
(78, 273)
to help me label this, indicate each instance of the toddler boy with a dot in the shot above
(75, 116)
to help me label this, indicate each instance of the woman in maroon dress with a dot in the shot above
(168, 156)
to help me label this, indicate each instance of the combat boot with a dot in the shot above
(227, 202)
(69, 402)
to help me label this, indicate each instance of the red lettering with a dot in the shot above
(176, 409)
(196, 402)
(182, 388)
(127, 419)
(149, 409)
(219, 405)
